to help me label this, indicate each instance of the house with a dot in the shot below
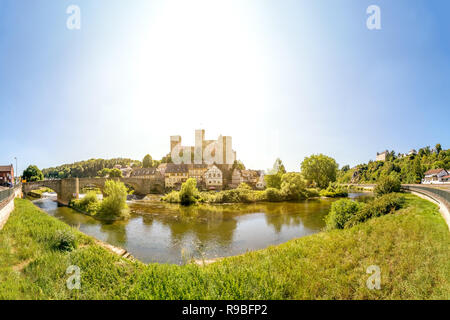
(197, 171)
(434, 176)
(144, 173)
(126, 171)
(446, 179)
(162, 168)
(213, 178)
(382, 156)
(6, 174)
(412, 152)
(250, 177)
(175, 175)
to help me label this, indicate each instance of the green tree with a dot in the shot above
(115, 173)
(114, 205)
(387, 185)
(438, 148)
(274, 175)
(147, 162)
(189, 193)
(237, 164)
(104, 172)
(319, 170)
(32, 173)
(293, 186)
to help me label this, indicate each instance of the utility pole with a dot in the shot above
(17, 171)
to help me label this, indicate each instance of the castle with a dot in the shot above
(218, 151)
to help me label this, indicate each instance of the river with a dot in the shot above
(168, 233)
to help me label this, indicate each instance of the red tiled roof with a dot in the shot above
(434, 171)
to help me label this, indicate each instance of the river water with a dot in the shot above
(168, 233)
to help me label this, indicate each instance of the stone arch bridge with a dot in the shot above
(68, 189)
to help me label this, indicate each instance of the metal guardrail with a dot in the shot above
(438, 192)
(7, 193)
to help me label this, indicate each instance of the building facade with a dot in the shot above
(214, 178)
(175, 175)
(435, 176)
(7, 174)
(382, 155)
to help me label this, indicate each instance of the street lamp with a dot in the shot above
(17, 170)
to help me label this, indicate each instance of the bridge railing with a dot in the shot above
(7, 193)
(444, 194)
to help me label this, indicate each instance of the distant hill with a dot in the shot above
(410, 169)
(88, 168)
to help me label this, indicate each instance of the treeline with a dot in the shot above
(86, 169)
(409, 169)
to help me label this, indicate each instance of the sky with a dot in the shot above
(285, 78)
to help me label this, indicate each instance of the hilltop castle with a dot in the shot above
(218, 151)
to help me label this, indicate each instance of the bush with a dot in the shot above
(189, 193)
(341, 212)
(293, 186)
(89, 204)
(378, 207)
(172, 197)
(387, 185)
(334, 190)
(114, 205)
(273, 195)
(64, 241)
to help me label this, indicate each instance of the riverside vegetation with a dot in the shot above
(112, 207)
(409, 245)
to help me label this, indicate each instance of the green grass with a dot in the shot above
(410, 246)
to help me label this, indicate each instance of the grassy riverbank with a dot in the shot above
(410, 247)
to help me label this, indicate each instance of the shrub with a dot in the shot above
(172, 197)
(293, 186)
(88, 204)
(334, 190)
(312, 192)
(378, 207)
(273, 195)
(114, 205)
(64, 241)
(341, 212)
(189, 193)
(387, 185)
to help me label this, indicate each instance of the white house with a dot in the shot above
(435, 176)
(213, 178)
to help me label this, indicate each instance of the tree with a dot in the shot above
(32, 173)
(189, 193)
(387, 185)
(237, 164)
(319, 170)
(438, 148)
(114, 205)
(293, 186)
(104, 172)
(147, 162)
(115, 173)
(273, 178)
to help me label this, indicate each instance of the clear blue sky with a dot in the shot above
(285, 78)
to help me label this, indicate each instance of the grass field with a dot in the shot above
(411, 247)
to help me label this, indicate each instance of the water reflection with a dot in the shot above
(158, 232)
